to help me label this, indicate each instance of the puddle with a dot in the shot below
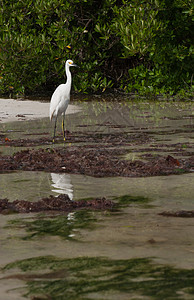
(131, 252)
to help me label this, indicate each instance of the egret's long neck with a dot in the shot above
(68, 74)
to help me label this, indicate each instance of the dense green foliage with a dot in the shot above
(134, 46)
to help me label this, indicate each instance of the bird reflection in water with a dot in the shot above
(62, 184)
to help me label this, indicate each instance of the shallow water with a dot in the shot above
(166, 123)
(128, 253)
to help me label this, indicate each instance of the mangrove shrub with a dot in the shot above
(128, 45)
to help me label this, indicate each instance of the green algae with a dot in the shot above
(69, 226)
(64, 226)
(99, 278)
(128, 199)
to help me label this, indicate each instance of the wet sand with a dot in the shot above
(23, 110)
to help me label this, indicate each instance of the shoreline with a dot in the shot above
(12, 110)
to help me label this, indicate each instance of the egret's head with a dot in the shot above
(70, 63)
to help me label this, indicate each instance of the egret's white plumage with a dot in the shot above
(61, 97)
(59, 101)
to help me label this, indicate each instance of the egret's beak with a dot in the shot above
(74, 65)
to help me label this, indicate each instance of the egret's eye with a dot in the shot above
(70, 63)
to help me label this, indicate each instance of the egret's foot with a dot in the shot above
(65, 135)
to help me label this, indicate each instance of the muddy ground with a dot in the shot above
(60, 203)
(98, 155)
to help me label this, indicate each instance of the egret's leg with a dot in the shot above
(55, 129)
(63, 127)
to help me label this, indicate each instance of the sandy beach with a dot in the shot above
(22, 110)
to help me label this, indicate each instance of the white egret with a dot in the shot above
(60, 98)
